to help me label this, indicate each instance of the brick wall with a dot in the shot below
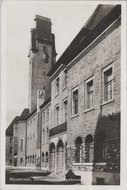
(21, 136)
(9, 155)
(91, 63)
(38, 71)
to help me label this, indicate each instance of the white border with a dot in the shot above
(123, 174)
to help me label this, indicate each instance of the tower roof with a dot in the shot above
(42, 18)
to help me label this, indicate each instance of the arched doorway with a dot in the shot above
(78, 152)
(52, 158)
(60, 157)
(89, 148)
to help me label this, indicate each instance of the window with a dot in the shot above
(57, 86)
(33, 158)
(21, 144)
(44, 48)
(10, 161)
(43, 116)
(46, 159)
(47, 134)
(89, 93)
(108, 84)
(45, 55)
(21, 160)
(78, 151)
(65, 110)
(75, 101)
(10, 150)
(10, 139)
(89, 148)
(42, 156)
(43, 136)
(47, 114)
(65, 78)
(57, 115)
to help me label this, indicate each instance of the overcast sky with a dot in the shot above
(67, 20)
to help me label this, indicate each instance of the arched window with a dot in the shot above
(78, 151)
(60, 156)
(52, 158)
(46, 159)
(33, 158)
(21, 160)
(89, 148)
(42, 156)
(30, 159)
(100, 147)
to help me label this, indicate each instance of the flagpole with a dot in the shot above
(40, 100)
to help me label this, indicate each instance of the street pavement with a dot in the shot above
(33, 176)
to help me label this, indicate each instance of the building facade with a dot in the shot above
(74, 119)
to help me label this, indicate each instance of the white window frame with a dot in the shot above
(47, 114)
(57, 90)
(65, 83)
(72, 110)
(64, 119)
(22, 142)
(86, 93)
(103, 84)
(57, 117)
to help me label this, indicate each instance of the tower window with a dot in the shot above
(44, 48)
(45, 55)
(10, 150)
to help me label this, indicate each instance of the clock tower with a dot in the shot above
(42, 57)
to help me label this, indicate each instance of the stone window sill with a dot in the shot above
(100, 164)
(107, 102)
(73, 116)
(56, 95)
(64, 88)
(83, 163)
(90, 109)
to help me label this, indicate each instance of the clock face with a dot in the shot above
(42, 93)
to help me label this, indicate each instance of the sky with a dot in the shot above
(67, 20)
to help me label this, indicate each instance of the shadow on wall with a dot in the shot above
(106, 168)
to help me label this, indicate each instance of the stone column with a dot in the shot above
(55, 160)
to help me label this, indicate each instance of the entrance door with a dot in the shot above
(52, 158)
(60, 157)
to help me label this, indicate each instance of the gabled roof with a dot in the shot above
(102, 17)
(47, 100)
(22, 117)
(24, 114)
(9, 130)
(100, 12)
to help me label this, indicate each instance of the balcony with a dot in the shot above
(58, 129)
